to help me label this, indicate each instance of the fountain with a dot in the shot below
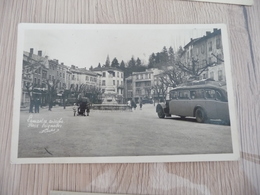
(109, 100)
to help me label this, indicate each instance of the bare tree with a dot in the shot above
(161, 86)
(173, 76)
(52, 91)
(196, 67)
(29, 89)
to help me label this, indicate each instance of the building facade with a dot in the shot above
(111, 79)
(50, 80)
(140, 84)
(205, 54)
(34, 75)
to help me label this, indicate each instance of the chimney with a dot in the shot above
(62, 63)
(46, 57)
(215, 29)
(40, 53)
(72, 66)
(31, 52)
(207, 33)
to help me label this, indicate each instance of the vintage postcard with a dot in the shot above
(238, 2)
(123, 94)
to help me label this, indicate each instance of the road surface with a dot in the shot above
(58, 133)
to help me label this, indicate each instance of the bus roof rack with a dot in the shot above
(203, 82)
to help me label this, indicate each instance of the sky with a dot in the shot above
(86, 46)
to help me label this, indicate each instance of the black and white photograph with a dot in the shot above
(126, 93)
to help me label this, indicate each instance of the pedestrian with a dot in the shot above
(37, 105)
(133, 104)
(31, 105)
(74, 109)
(88, 108)
(140, 103)
(50, 105)
(129, 103)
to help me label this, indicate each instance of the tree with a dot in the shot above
(195, 68)
(94, 93)
(107, 64)
(132, 63)
(52, 91)
(122, 65)
(138, 62)
(161, 86)
(173, 76)
(159, 60)
(179, 53)
(151, 63)
(115, 63)
(171, 56)
(164, 58)
(29, 89)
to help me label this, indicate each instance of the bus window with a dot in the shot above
(210, 94)
(200, 94)
(174, 95)
(197, 94)
(184, 95)
(193, 94)
(219, 96)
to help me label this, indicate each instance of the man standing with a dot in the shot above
(140, 103)
(37, 105)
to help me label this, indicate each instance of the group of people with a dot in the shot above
(133, 105)
(35, 105)
(81, 109)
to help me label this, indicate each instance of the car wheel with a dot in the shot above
(200, 115)
(160, 113)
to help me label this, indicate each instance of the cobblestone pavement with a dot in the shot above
(58, 133)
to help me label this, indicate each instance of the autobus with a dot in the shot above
(204, 102)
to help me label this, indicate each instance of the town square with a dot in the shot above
(119, 133)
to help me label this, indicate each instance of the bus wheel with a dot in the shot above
(200, 115)
(160, 113)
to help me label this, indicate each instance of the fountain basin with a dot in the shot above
(116, 107)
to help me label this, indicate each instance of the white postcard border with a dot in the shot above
(123, 159)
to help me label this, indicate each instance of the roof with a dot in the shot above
(89, 72)
(107, 69)
(207, 36)
(82, 71)
(202, 84)
(44, 61)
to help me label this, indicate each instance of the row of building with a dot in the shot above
(39, 72)
(203, 55)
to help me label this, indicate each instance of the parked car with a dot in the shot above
(203, 102)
